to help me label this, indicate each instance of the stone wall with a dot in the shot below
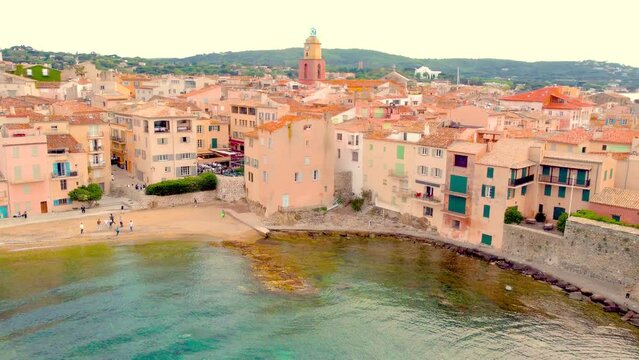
(230, 188)
(344, 186)
(594, 249)
(152, 201)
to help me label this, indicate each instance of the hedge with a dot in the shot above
(205, 181)
(588, 214)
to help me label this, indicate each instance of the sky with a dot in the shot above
(505, 29)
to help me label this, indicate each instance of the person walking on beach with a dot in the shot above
(99, 223)
(131, 225)
(25, 214)
(222, 214)
(81, 228)
(195, 201)
(117, 230)
(121, 223)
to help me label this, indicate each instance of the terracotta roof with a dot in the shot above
(355, 125)
(14, 126)
(281, 122)
(539, 95)
(85, 120)
(575, 136)
(36, 100)
(623, 198)
(511, 153)
(202, 90)
(616, 136)
(75, 107)
(441, 138)
(593, 158)
(48, 85)
(466, 147)
(251, 134)
(63, 141)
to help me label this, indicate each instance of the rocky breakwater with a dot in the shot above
(571, 290)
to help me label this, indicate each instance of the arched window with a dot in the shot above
(305, 70)
(319, 71)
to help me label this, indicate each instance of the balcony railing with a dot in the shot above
(402, 191)
(428, 198)
(521, 181)
(118, 139)
(64, 175)
(96, 164)
(393, 173)
(161, 130)
(183, 128)
(564, 180)
(95, 148)
(95, 134)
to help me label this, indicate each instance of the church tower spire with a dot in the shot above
(312, 66)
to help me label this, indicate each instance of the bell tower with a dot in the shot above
(312, 67)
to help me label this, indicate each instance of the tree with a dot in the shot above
(561, 222)
(513, 216)
(89, 193)
(79, 70)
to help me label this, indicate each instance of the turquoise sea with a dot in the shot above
(374, 299)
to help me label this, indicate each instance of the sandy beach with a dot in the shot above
(201, 223)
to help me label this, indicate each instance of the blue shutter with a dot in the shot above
(55, 169)
(56, 203)
(70, 201)
(67, 168)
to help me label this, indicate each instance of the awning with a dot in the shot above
(426, 183)
(566, 164)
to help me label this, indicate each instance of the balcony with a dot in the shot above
(521, 181)
(456, 190)
(95, 148)
(64, 175)
(564, 180)
(403, 191)
(118, 139)
(95, 134)
(353, 145)
(428, 198)
(94, 165)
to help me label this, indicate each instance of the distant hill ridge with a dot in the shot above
(586, 73)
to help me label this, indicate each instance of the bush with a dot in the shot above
(89, 193)
(540, 217)
(357, 203)
(513, 216)
(588, 214)
(205, 181)
(561, 222)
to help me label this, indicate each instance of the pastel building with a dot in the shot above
(312, 67)
(349, 146)
(68, 162)
(23, 163)
(289, 164)
(619, 204)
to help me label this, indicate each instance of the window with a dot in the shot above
(199, 129)
(185, 170)
(315, 175)
(370, 147)
(250, 176)
(339, 153)
(167, 169)
(606, 175)
(63, 184)
(548, 190)
(307, 160)
(422, 170)
(562, 192)
(298, 177)
(604, 147)
(16, 152)
(583, 149)
(355, 156)
(511, 194)
(439, 153)
(436, 172)
(45, 72)
(264, 176)
(487, 211)
(458, 184)
(585, 195)
(423, 151)
(200, 143)
(61, 202)
(428, 211)
(486, 239)
(400, 152)
(34, 151)
(163, 157)
(163, 141)
(488, 191)
(184, 139)
(456, 224)
(610, 174)
(17, 173)
(29, 72)
(490, 172)
(461, 160)
(524, 189)
(339, 137)
(457, 204)
(616, 217)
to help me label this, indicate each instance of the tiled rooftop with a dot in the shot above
(624, 198)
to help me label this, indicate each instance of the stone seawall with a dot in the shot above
(152, 201)
(590, 248)
(230, 188)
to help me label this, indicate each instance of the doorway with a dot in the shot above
(43, 207)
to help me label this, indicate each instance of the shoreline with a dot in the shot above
(571, 284)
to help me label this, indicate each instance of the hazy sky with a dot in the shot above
(508, 29)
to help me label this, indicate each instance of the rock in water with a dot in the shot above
(509, 288)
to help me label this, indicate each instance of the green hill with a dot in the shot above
(578, 73)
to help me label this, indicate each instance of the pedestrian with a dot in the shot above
(111, 217)
(121, 223)
(131, 225)
(110, 223)
(222, 214)
(25, 214)
(195, 201)
(81, 228)
(117, 230)
(99, 223)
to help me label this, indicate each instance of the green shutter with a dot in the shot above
(545, 170)
(56, 202)
(606, 175)
(67, 168)
(490, 172)
(486, 239)
(611, 173)
(513, 174)
(581, 177)
(399, 169)
(214, 143)
(563, 175)
(400, 152)
(55, 169)
(548, 190)
(483, 191)
(493, 192)
(524, 172)
(457, 204)
(486, 211)
(458, 184)
(524, 189)
(370, 147)
(556, 213)
(562, 192)
(585, 195)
